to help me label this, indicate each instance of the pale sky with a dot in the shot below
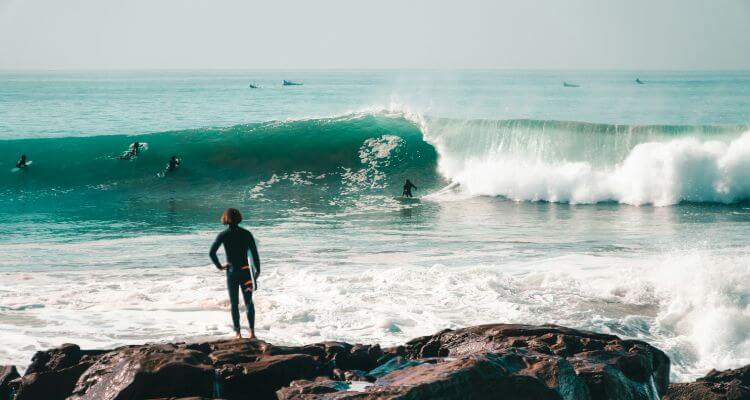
(248, 34)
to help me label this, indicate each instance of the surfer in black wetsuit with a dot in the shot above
(132, 151)
(237, 242)
(173, 163)
(22, 162)
(134, 148)
(408, 186)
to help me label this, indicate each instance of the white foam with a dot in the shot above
(660, 173)
(693, 304)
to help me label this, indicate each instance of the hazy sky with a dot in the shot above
(247, 34)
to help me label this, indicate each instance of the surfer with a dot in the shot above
(172, 164)
(638, 81)
(237, 242)
(22, 163)
(408, 186)
(132, 151)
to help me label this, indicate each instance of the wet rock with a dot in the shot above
(733, 384)
(605, 361)
(517, 361)
(7, 374)
(303, 389)
(53, 374)
(262, 378)
(145, 372)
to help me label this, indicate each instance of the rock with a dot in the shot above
(469, 377)
(303, 389)
(59, 358)
(53, 374)
(732, 384)
(605, 361)
(520, 361)
(265, 376)
(144, 372)
(7, 374)
(516, 361)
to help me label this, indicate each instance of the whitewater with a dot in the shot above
(609, 207)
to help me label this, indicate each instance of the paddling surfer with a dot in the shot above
(237, 242)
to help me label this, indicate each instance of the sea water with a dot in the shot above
(614, 206)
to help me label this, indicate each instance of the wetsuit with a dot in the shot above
(21, 163)
(407, 189)
(237, 241)
(173, 164)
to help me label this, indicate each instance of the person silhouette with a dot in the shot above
(408, 186)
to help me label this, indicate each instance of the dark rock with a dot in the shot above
(265, 376)
(7, 374)
(145, 372)
(511, 361)
(732, 384)
(52, 385)
(588, 352)
(318, 389)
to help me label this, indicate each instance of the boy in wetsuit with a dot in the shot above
(408, 186)
(237, 242)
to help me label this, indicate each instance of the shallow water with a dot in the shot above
(614, 207)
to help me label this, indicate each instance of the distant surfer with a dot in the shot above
(172, 164)
(23, 162)
(638, 81)
(132, 152)
(408, 186)
(134, 148)
(240, 273)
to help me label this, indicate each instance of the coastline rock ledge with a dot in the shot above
(497, 361)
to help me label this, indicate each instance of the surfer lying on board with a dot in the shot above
(22, 162)
(408, 186)
(240, 274)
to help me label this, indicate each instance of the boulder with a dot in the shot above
(263, 377)
(53, 374)
(7, 374)
(732, 384)
(144, 372)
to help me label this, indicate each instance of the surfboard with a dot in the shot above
(407, 200)
(247, 278)
(16, 169)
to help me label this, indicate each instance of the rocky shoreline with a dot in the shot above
(497, 361)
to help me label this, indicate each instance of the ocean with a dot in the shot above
(613, 206)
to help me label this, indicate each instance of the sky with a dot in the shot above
(483, 34)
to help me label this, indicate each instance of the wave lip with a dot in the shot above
(590, 163)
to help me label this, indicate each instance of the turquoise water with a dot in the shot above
(612, 206)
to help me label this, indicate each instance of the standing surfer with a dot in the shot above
(22, 163)
(408, 186)
(240, 274)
